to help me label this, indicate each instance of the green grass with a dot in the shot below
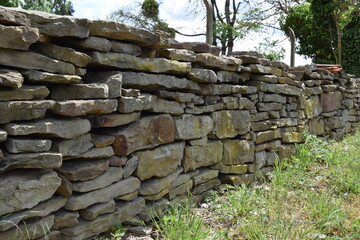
(314, 195)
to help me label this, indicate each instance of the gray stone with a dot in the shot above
(119, 31)
(312, 107)
(90, 43)
(201, 156)
(198, 47)
(144, 81)
(164, 106)
(157, 185)
(10, 78)
(85, 229)
(282, 89)
(245, 103)
(265, 78)
(231, 169)
(181, 189)
(159, 162)
(24, 110)
(122, 187)
(117, 161)
(24, 93)
(34, 229)
(94, 153)
(113, 120)
(248, 59)
(126, 48)
(223, 63)
(66, 129)
(17, 37)
(10, 17)
(80, 91)
(65, 54)
(41, 210)
(231, 102)
(72, 147)
(111, 175)
(202, 75)
(199, 142)
(267, 107)
(178, 54)
(148, 132)
(95, 210)
(238, 152)
(66, 188)
(24, 189)
(17, 145)
(230, 123)
(140, 230)
(3, 135)
(229, 77)
(153, 208)
(31, 60)
(272, 145)
(205, 175)
(178, 96)
(44, 77)
(153, 65)
(238, 180)
(65, 219)
(243, 89)
(128, 197)
(274, 98)
(268, 135)
(113, 79)
(81, 170)
(201, 188)
(101, 141)
(128, 210)
(131, 165)
(260, 159)
(75, 108)
(31, 160)
(136, 104)
(192, 127)
(261, 126)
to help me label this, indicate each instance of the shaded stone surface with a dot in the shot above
(198, 47)
(90, 43)
(95, 210)
(238, 152)
(31, 160)
(72, 147)
(111, 175)
(41, 210)
(205, 175)
(17, 37)
(202, 75)
(113, 79)
(191, 127)
(10, 17)
(146, 133)
(10, 78)
(268, 136)
(312, 107)
(228, 124)
(66, 188)
(65, 54)
(113, 120)
(130, 166)
(122, 187)
(201, 156)
(75, 108)
(30, 60)
(178, 54)
(154, 65)
(24, 189)
(24, 93)
(128, 210)
(101, 141)
(45, 77)
(24, 110)
(66, 129)
(80, 170)
(126, 48)
(330, 101)
(17, 145)
(3, 135)
(203, 187)
(159, 162)
(80, 91)
(94, 153)
(65, 219)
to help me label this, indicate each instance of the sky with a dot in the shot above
(177, 14)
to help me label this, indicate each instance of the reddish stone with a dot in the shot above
(330, 101)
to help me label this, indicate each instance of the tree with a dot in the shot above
(271, 49)
(145, 16)
(60, 7)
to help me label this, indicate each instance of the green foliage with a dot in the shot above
(271, 49)
(9, 3)
(351, 41)
(60, 7)
(145, 16)
(118, 230)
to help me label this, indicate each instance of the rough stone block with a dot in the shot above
(75, 108)
(18, 37)
(125, 48)
(192, 127)
(330, 101)
(95, 210)
(230, 123)
(80, 170)
(14, 145)
(50, 78)
(113, 79)
(80, 91)
(65, 219)
(238, 152)
(113, 120)
(24, 93)
(10, 78)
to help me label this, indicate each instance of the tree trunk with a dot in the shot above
(209, 21)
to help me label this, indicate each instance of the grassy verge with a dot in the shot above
(314, 195)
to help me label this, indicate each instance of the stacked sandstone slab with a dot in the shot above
(101, 122)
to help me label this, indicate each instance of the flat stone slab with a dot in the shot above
(80, 170)
(126, 48)
(10, 78)
(24, 93)
(192, 127)
(202, 75)
(45, 77)
(238, 152)
(111, 175)
(113, 120)
(113, 79)
(80, 91)
(30, 60)
(24, 189)
(148, 132)
(95, 210)
(65, 54)
(3, 135)
(90, 43)
(230, 123)
(75, 108)
(31, 160)
(65, 219)
(66, 129)
(24, 110)
(17, 37)
(10, 17)
(72, 147)
(122, 187)
(17, 145)
(153, 65)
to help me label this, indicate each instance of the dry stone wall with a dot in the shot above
(101, 122)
